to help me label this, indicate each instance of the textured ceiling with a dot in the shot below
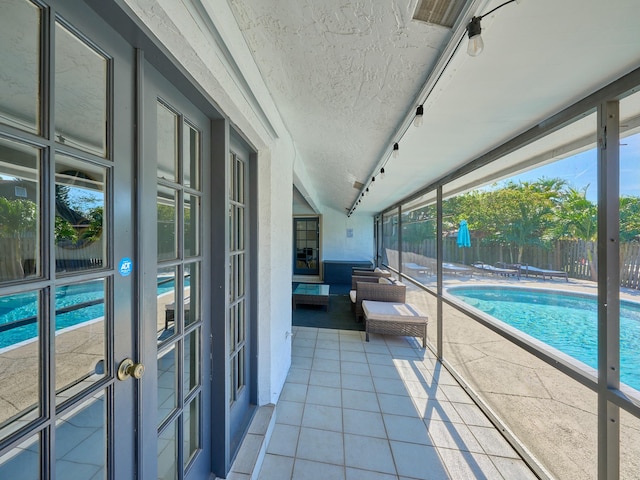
(343, 75)
(347, 75)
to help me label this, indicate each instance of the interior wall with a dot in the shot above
(346, 238)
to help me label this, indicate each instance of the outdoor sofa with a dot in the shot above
(387, 291)
(377, 272)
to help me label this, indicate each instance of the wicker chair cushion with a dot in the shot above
(392, 312)
(352, 296)
(385, 281)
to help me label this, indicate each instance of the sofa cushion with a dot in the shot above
(352, 296)
(391, 311)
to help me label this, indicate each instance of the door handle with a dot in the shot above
(128, 368)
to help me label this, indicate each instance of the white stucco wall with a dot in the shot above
(181, 28)
(337, 245)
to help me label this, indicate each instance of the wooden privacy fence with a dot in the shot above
(576, 257)
(19, 257)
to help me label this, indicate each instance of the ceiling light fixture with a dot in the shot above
(396, 150)
(417, 122)
(472, 30)
(476, 44)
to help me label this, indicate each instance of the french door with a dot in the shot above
(103, 335)
(68, 267)
(306, 241)
(176, 338)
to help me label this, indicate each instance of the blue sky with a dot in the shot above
(581, 170)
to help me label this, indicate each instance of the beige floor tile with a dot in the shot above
(355, 368)
(513, 468)
(321, 446)
(298, 375)
(308, 470)
(472, 415)
(369, 424)
(325, 379)
(382, 410)
(418, 461)
(358, 474)
(368, 453)
(492, 442)
(359, 400)
(455, 436)
(289, 413)
(432, 409)
(397, 405)
(324, 365)
(322, 417)
(327, 354)
(467, 465)
(275, 467)
(357, 382)
(294, 392)
(351, 356)
(406, 429)
(329, 396)
(284, 440)
(390, 386)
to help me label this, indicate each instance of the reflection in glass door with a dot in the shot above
(306, 240)
(58, 247)
(179, 133)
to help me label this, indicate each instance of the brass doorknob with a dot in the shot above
(128, 368)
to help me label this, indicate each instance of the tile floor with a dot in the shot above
(352, 410)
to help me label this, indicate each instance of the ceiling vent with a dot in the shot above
(439, 12)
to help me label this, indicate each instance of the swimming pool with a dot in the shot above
(565, 321)
(75, 304)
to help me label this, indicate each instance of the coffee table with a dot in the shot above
(311, 294)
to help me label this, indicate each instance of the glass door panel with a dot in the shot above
(20, 35)
(81, 93)
(20, 207)
(62, 332)
(81, 337)
(306, 241)
(175, 150)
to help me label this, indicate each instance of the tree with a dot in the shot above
(515, 215)
(18, 220)
(629, 219)
(577, 217)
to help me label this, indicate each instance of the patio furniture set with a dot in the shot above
(380, 302)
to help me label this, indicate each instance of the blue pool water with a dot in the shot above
(565, 321)
(74, 304)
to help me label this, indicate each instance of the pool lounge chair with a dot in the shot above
(456, 269)
(535, 271)
(415, 269)
(505, 272)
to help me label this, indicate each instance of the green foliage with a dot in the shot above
(63, 230)
(576, 216)
(419, 225)
(94, 230)
(17, 217)
(629, 219)
(516, 215)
